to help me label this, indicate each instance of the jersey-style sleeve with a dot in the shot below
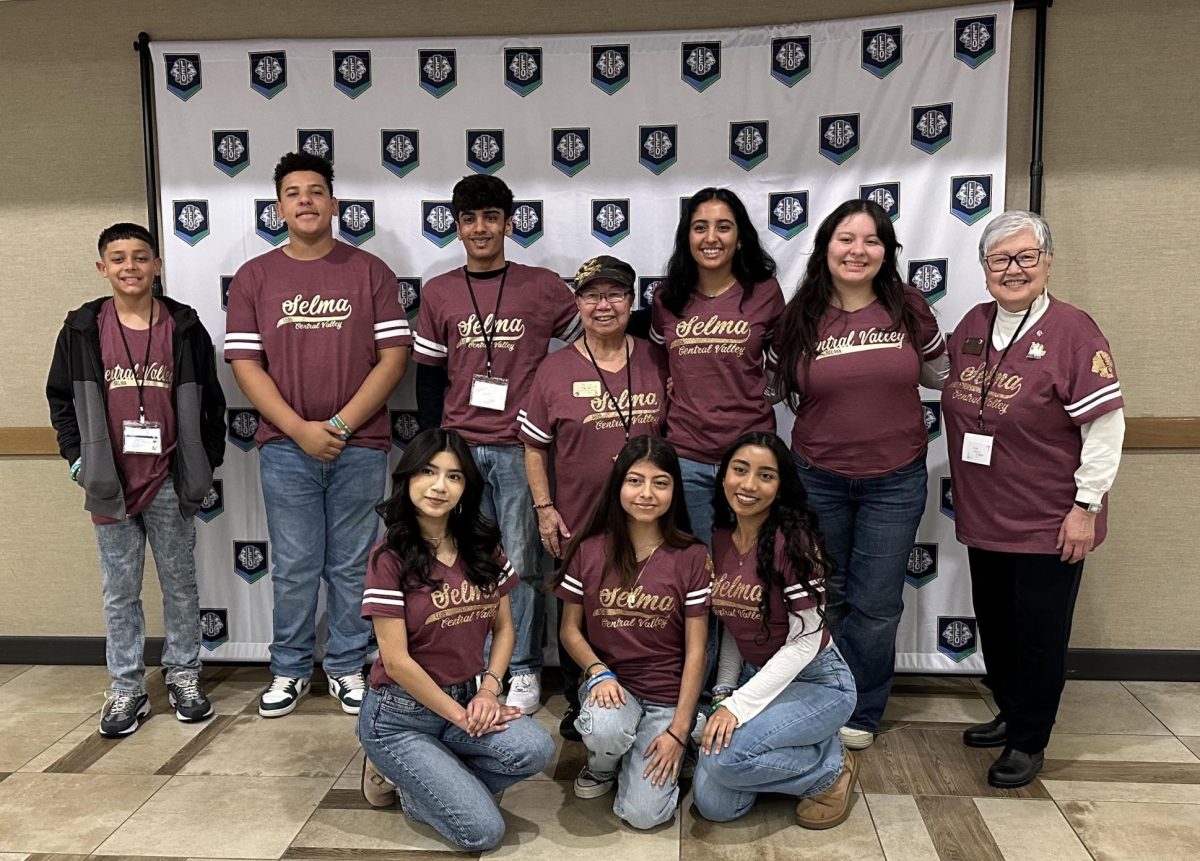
(533, 419)
(382, 595)
(797, 595)
(567, 325)
(508, 579)
(698, 580)
(243, 338)
(391, 323)
(431, 341)
(657, 321)
(1092, 388)
(932, 342)
(571, 587)
(774, 307)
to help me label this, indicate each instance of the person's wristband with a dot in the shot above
(544, 505)
(600, 677)
(672, 735)
(721, 691)
(499, 684)
(588, 668)
(340, 425)
(75, 467)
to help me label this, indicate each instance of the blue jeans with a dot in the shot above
(699, 485)
(321, 520)
(122, 549)
(506, 499)
(446, 778)
(616, 741)
(790, 747)
(870, 525)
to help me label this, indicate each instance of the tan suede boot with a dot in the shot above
(832, 806)
(376, 788)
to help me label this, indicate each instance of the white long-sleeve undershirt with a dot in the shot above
(803, 643)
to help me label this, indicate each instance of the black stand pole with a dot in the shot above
(1039, 106)
(146, 66)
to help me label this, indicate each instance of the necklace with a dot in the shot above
(435, 542)
(646, 558)
(742, 554)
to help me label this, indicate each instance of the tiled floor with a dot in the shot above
(1122, 781)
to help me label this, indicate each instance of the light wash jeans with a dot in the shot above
(870, 525)
(506, 499)
(446, 778)
(616, 741)
(122, 548)
(699, 485)
(321, 520)
(790, 747)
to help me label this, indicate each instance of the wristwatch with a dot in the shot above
(1090, 507)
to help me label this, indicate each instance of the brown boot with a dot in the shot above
(832, 806)
(376, 788)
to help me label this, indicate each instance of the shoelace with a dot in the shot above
(122, 704)
(188, 689)
(281, 683)
(353, 682)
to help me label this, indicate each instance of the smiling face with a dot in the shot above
(129, 266)
(437, 487)
(713, 237)
(482, 233)
(646, 492)
(855, 253)
(751, 481)
(604, 307)
(1015, 288)
(307, 205)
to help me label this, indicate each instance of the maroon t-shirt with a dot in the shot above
(1057, 376)
(639, 632)
(446, 626)
(715, 356)
(141, 474)
(860, 413)
(535, 307)
(569, 407)
(737, 589)
(316, 325)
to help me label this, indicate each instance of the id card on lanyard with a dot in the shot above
(977, 446)
(487, 392)
(141, 436)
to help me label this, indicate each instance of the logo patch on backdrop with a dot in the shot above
(886, 194)
(922, 564)
(268, 223)
(184, 77)
(882, 50)
(570, 149)
(971, 197)
(700, 64)
(231, 151)
(213, 503)
(929, 276)
(522, 69)
(791, 59)
(250, 560)
(958, 637)
(528, 221)
(839, 137)
(268, 72)
(214, 627)
(946, 497)
(787, 212)
(485, 150)
(931, 413)
(356, 220)
(437, 222)
(610, 67)
(404, 427)
(408, 291)
(658, 147)
(400, 149)
(243, 425)
(647, 284)
(316, 142)
(975, 39)
(748, 143)
(352, 72)
(610, 220)
(931, 126)
(191, 219)
(438, 71)
(226, 281)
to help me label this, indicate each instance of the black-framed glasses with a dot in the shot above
(1026, 259)
(614, 297)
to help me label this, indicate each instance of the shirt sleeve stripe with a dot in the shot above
(700, 592)
(571, 587)
(1082, 402)
(242, 345)
(933, 345)
(533, 430)
(694, 601)
(1093, 404)
(243, 336)
(429, 348)
(505, 573)
(383, 602)
(571, 331)
(655, 337)
(388, 593)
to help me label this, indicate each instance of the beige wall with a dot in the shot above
(1122, 166)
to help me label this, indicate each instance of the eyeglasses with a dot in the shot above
(1026, 259)
(613, 298)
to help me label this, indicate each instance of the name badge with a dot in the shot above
(489, 393)
(586, 389)
(977, 448)
(142, 438)
(973, 346)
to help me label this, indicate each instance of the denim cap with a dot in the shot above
(607, 268)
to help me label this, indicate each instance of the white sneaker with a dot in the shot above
(698, 729)
(589, 785)
(856, 739)
(348, 690)
(525, 693)
(280, 699)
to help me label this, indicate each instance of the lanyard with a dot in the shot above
(990, 374)
(488, 337)
(626, 421)
(138, 381)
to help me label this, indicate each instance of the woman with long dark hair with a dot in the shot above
(850, 349)
(715, 316)
(436, 586)
(635, 587)
(782, 689)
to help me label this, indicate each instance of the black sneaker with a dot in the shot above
(566, 727)
(188, 700)
(122, 713)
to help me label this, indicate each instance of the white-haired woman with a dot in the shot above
(1034, 420)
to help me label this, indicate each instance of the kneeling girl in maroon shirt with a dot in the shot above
(635, 585)
(432, 724)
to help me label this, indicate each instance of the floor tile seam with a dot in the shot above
(875, 825)
(132, 813)
(1146, 707)
(1061, 814)
(195, 745)
(930, 826)
(1086, 848)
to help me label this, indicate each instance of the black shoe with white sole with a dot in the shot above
(123, 713)
(187, 698)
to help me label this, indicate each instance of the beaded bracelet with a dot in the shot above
(600, 677)
(537, 507)
(499, 683)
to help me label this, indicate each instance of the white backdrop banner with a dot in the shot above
(600, 137)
